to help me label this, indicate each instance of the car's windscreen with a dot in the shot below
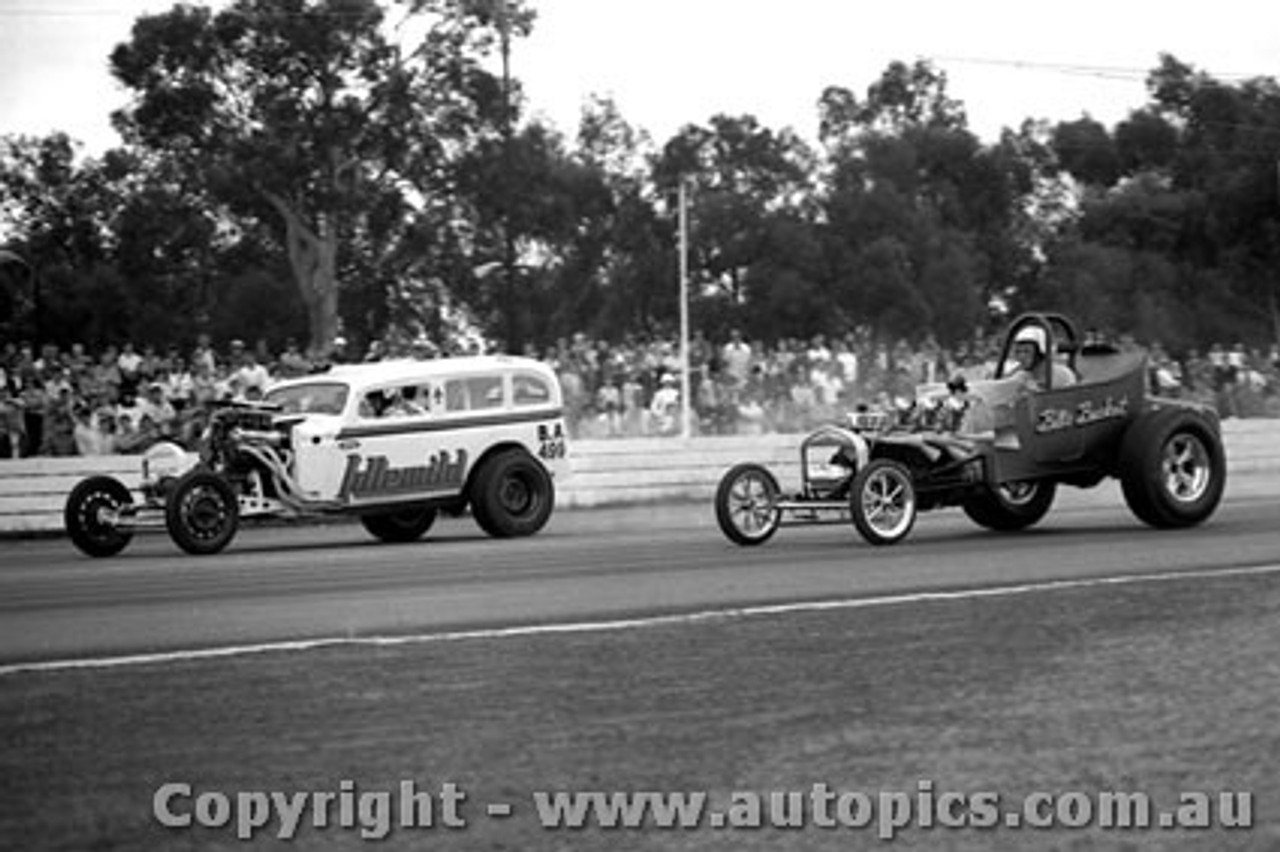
(310, 398)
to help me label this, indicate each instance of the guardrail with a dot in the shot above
(605, 472)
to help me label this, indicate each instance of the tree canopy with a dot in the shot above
(310, 168)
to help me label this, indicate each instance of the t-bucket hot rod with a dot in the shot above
(998, 448)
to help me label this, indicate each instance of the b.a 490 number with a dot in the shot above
(551, 443)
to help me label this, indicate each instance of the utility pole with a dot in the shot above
(686, 403)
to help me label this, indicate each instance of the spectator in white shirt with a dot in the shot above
(155, 406)
(129, 410)
(818, 353)
(91, 435)
(252, 377)
(130, 363)
(737, 358)
(848, 361)
(179, 385)
(665, 406)
(203, 355)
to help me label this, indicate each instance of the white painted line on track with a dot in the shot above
(695, 617)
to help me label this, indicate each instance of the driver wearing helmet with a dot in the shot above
(1030, 354)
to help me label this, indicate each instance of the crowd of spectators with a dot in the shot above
(58, 402)
(745, 387)
(62, 402)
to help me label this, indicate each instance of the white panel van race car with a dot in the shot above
(392, 442)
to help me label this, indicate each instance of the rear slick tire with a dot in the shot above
(1173, 469)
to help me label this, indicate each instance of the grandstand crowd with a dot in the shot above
(63, 402)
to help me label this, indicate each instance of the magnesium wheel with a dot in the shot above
(512, 495)
(91, 512)
(1011, 506)
(1172, 468)
(883, 501)
(404, 525)
(746, 505)
(202, 513)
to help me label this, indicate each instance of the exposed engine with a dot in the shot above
(250, 444)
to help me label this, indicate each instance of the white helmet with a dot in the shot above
(1033, 334)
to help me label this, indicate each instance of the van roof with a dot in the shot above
(404, 369)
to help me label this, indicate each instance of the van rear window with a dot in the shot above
(529, 389)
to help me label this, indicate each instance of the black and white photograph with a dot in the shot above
(557, 425)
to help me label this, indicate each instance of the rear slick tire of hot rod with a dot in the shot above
(1173, 469)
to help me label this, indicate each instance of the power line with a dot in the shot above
(101, 12)
(1106, 72)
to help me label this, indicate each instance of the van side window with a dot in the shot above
(455, 395)
(406, 400)
(528, 389)
(474, 393)
(485, 392)
(373, 405)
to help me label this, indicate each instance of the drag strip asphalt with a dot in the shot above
(289, 583)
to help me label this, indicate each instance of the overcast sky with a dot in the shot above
(672, 62)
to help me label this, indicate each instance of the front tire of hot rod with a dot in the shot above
(746, 505)
(86, 516)
(882, 502)
(512, 495)
(1172, 468)
(202, 513)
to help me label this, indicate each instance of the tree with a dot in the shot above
(636, 276)
(1184, 191)
(59, 217)
(1146, 141)
(305, 116)
(787, 286)
(606, 141)
(556, 210)
(921, 223)
(910, 97)
(740, 175)
(1087, 152)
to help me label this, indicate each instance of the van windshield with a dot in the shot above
(310, 398)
